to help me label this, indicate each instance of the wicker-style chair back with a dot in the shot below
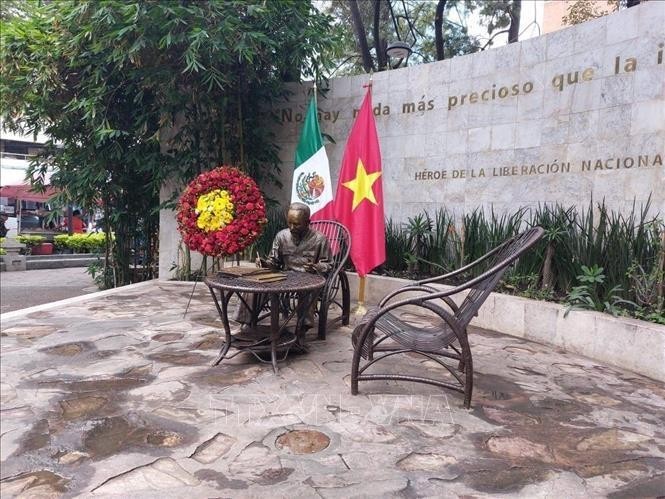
(496, 262)
(336, 290)
(383, 330)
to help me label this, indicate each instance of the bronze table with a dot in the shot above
(276, 337)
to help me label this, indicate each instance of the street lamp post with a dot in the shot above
(398, 50)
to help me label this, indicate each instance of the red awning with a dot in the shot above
(24, 193)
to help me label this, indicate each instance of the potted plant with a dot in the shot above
(35, 245)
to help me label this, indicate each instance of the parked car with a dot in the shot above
(28, 222)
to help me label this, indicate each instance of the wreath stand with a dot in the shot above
(200, 273)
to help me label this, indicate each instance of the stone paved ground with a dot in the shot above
(115, 396)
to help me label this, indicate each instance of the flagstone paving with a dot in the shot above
(115, 396)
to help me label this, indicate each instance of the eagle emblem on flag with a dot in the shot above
(310, 186)
(311, 182)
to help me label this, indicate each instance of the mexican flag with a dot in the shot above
(311, 177)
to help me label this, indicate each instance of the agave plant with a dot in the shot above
(444, 242)
(550, 259)
(597, 258)
(397, 246)
(419, 229)
(481, 234)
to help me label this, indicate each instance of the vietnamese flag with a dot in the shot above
(359, 196)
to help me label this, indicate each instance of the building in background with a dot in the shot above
(555, 10)
(15, 153)
(15, 197)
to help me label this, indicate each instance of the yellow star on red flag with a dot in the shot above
(359, 196)
(361, 185)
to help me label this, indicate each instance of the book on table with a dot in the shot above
(270, 276)
(253, 274)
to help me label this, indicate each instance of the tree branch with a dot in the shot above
(438, 30)
(515, 15)
(359, 28)
(378, 42)
(492, 38)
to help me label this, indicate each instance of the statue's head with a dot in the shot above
(297, 219)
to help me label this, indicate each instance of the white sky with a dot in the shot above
(531, 22)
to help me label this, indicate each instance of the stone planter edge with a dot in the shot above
(625, 343)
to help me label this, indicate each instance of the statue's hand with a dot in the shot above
(264, 264)
(311, 267)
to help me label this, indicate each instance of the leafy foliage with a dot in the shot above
(132, 93)
(94, 242)
(411, 21)
(397, 245)
(30, 240)
(594, 258)
(434, 30)
(501, 16)
(581, 11)
(587, 295)
(101, 275)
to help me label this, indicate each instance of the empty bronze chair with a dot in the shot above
(384, 332)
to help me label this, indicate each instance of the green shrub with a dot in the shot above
(591, 258)
(82, 243)
(60, 241)
(587, 294)
(397, 247)
(30, 240)
(482, 233)
(101, 275)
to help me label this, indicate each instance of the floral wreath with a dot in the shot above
(221, 212)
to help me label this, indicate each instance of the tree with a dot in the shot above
(438, 29)
(109, 81)
(428, 27)
(504, 16)
(359, 29)
(515, 13)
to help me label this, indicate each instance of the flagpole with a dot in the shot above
(362, 309)
(361, 297)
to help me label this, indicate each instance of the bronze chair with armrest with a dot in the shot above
(336, 290)
(385, 332)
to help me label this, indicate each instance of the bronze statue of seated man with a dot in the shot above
(299, 248)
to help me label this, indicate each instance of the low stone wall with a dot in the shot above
(631, 344)
(60, 261)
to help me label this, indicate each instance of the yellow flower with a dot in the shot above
(214, 210)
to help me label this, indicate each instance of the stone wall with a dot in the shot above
(558, 118)
(566, 117)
